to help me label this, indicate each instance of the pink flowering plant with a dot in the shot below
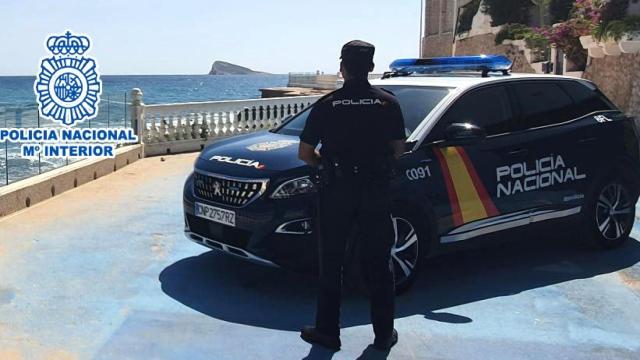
(585, 16)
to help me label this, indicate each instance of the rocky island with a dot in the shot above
(225, 68)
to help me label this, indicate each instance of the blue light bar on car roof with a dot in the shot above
(484, 63)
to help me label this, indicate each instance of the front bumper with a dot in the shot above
(254, 238)
(228, 249)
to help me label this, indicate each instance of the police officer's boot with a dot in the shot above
(386, 344)
(313, 336)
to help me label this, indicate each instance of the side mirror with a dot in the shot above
(463, 134)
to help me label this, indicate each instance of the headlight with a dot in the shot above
(294, 187)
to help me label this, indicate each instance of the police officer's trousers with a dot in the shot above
(362, 202)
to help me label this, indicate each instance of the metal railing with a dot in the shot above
(113, 112)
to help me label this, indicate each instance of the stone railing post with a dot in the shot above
(137, 113)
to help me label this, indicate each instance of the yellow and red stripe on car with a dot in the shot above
(468, 196)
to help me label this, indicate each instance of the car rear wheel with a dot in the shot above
(611, 213)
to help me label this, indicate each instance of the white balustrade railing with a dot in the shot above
(163, 124)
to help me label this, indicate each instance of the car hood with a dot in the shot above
(261, 154)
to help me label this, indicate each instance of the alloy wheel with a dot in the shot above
(404, 254)
(614, 211)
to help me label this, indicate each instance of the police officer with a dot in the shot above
(361, 130)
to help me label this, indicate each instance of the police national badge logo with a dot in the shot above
(271, 145)
(68, 86)
(68, 90)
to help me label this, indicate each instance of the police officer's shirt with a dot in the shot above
(355, 124)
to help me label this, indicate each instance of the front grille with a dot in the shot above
(218, 232)
(227, 191)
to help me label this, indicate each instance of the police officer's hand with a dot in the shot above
(308, 154)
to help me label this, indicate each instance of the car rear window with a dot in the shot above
(543, 103)
(553, 102)
(415, 102)
(587, 99)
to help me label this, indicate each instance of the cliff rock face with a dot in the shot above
(225, 68)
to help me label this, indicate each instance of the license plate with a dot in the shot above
(215, 214)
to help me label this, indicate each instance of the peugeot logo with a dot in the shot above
(217, 189)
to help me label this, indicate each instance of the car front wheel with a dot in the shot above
(407, 253)
(407, 250)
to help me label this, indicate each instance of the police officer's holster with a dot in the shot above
(352, 195)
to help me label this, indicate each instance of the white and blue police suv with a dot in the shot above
(488, 153)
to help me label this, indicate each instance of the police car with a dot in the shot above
(488, 155)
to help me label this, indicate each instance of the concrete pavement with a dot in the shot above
(104, 272)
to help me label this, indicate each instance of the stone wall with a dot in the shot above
(438, 39)
(485, 44)
(437, 45)
(28, 192)
(619, 78)
(439, 19)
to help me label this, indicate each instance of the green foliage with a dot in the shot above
(560, 10)
(538, 44)
(467, 13)
(616, 29)
(632, 23)
(512, 32)
(614, 10)
(599, 32)
(508, 11)
(534, 40)
(543, 10)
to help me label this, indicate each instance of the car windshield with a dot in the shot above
(415, 102)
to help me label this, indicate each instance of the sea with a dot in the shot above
(18, 106)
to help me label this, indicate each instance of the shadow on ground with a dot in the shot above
(235, 291)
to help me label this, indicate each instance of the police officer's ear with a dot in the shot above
(373, 66)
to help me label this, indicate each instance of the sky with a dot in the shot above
(186, 36)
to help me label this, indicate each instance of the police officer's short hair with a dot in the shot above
(357, 57)
(357, 69)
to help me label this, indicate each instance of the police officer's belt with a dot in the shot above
(339, 168)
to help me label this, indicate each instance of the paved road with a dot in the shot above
(104, 272)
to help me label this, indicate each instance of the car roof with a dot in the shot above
(462, 81)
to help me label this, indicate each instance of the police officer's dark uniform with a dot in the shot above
(355, 126)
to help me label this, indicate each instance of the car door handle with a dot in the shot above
(519, 152)
(588, 140)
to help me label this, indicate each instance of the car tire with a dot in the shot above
(408, 251)
(610, 213)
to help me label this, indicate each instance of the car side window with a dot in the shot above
(542, 103)
(488, 108)
(586, 99)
